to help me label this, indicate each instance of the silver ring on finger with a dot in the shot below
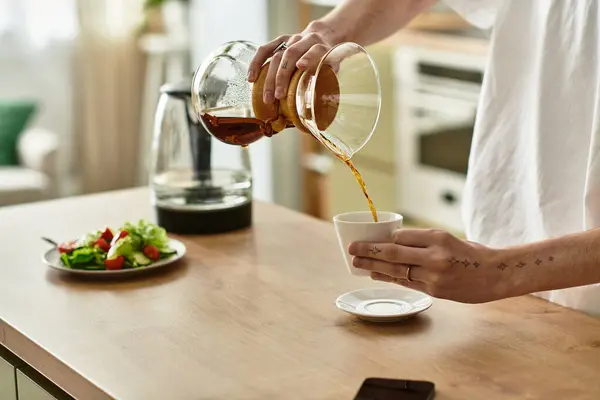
(281, 46)
(407, 277)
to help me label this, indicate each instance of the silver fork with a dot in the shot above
(52, 242)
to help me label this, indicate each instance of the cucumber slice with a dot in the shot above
(141, 259)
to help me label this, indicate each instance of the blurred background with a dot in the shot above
(79, 83)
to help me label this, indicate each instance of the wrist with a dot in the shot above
(509, 281)
(331, 32)
(523, 269)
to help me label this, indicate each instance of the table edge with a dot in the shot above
(47, 364)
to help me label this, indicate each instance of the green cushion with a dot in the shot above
(14, 117)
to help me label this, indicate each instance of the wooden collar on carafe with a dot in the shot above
(283, 114)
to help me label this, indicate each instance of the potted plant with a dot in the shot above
(174, 16)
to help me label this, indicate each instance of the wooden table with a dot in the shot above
(251, 315)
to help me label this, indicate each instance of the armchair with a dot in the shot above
(35, 179)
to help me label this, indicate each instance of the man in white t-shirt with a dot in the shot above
(532, 200)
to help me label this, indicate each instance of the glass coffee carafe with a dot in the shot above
(338, 101)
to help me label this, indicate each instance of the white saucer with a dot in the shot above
(384, 304)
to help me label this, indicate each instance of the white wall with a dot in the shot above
(212, 24)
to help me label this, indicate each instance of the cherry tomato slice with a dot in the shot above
(115, 264)
(152, 252)
(107, 235)
(103, 245)
(67, 247)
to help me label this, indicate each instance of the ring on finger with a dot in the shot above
(281, 46)
(408, 270)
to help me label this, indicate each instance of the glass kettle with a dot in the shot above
(199, 185)
(338, 101)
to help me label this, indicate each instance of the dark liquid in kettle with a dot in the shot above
(205, 222)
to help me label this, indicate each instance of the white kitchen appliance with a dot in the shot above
(438, 92)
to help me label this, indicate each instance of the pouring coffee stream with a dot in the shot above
(338, 102)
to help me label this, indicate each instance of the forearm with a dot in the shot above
(560, 263)
(368, 21)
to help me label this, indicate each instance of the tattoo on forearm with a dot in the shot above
(502, 267)
(453, 262)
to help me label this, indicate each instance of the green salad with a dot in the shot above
(131, 246)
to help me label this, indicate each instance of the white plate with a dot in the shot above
(52, 259)
(383, 304)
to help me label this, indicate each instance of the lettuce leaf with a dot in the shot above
(84, 258)
(150, 234)
(89, 239)
(123, 247)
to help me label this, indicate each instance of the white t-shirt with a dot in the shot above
(534, 171)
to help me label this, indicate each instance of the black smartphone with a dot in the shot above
(395, 389)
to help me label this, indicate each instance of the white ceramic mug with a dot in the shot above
(359, 227)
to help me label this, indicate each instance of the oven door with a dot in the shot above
(434, 154)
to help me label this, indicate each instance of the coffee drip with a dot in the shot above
(357, 176)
